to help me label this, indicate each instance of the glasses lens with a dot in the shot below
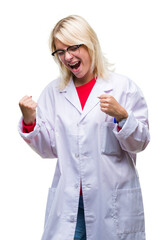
(73, 50)
(60, 53)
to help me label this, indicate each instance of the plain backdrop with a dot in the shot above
(133, 35)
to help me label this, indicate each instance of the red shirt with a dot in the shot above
(28, 128)
(84, 91)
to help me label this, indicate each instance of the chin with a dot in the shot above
(79, 75)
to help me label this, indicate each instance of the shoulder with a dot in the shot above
(119, 82)
(122, 80)
(53, 85)
(51, 88)
(48, 94)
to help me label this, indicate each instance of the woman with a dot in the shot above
(94, 121)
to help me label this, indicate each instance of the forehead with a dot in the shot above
(60, 45)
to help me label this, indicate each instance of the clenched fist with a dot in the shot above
(28, 109)
(110, 106)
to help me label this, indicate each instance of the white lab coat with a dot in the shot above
(90, 149)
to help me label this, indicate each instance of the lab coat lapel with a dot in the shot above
(100, 87)
(71, 95)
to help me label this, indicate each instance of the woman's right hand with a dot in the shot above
(28, 109)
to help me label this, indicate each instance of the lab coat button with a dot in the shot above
(76, 186)
(76, 155)
(72, 219)
(85, 155)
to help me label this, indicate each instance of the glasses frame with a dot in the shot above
(66, 50)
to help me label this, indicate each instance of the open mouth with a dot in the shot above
(75, 65)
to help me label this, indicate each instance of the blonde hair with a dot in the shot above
(74, 30)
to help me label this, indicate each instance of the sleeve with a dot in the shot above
(42, 138)
(134, 135)
(28, 128)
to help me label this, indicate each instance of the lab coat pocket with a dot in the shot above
(129, 211)
(109, 143)
(51, 194)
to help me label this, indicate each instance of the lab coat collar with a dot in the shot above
(71, 95)
(101, 87)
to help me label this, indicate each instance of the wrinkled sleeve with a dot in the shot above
(42, 138)
(134, 136)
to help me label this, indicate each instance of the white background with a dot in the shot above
(133, 35)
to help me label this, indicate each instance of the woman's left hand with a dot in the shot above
(110, 106)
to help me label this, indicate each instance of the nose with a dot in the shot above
(68, 56)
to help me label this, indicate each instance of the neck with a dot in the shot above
(81, 81)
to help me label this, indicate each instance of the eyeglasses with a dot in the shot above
(73, 50)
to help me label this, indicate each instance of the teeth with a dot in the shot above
(73, 64)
